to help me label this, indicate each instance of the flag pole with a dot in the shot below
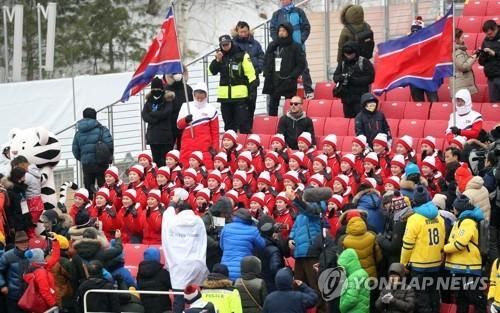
(454, 67)
(182, 68)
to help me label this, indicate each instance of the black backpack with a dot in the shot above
(364, 38)
(103, 153)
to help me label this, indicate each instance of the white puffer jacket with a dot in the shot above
(479, 195)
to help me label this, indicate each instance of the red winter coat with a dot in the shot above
(130, 222)
(334, 163)
(286, 220)
(176, 177)
(150, 178)
(277, 178)
(384, 160)
(141, 191)
(109, 219)
(231, 156)
(258, 162)
(227, 179)
(151, 222)
(165, 195)
(269, 201)
(333, 220)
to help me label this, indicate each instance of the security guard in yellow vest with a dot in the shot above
(236, 74)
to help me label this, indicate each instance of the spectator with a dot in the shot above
(355, 297)
(465, 121)
(489, 58)
(13, 264)
(283, 64)
(251, 287)
(463, 64)
(151, 276)
(157, 113)
(237, 79)
(463, 257)
(222, 209)
(473, 187)
(89, 132)
(418, 24)
(355, 29)
(18, 217)
(219, 290)
(33, 180)
(243, 38)
(289, 13)
(238, 240)
(370, 122)
(192, 297)
(354, 75)
(184, 241)
(201, 124)
(287, 300)
(451, 155)
(423, 243)
(368, 199)
(294, 123)
(97, 302)
(398, 297)
(271, 256)
(175, 83)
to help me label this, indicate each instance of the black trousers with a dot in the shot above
(235, 115)
(89, 180)
(494, 89)
(158, 151)
(351, 106)
(179, 302)
(251, 103)
(12, 306)
(427, 300)
(467, 296)
(418, 95)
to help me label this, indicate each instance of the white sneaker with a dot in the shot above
(309, 96)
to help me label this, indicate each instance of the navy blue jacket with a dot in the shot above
(272, 260)
(85, 140)
(294, 16)
(12, 266)
(254, 50)
(238, 240)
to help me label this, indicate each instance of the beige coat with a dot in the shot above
(465, 75)
(479, 195)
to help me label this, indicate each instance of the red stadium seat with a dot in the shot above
(337, 109)
(413, 128)
(417, 110)
(398, 94)
(340, 141)
(493, 8)
(324, 90)
(319, 125)
(444, 94)
(319, 108)
(352, 127)
(319, 141)
(470, 41)
(476, 106)
(265, 124)
(470, 24)
(393, 109)
(481, 95)
(479, 76)
(489, 125)
(490, 111)
(480, 39)
(346, 144)
(242, 139)
(336, 125)
(265, 140)
(441, 111)
(393, 125)
(133, 253)
(435, 128)
(475, 8)
(286, 106)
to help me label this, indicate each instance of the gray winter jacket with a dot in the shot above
(33, 179)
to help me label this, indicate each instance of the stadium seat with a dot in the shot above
(319, 125)
(413, 128)
(444, 93)
(398, 94)
(324, 90)
(265, 140)
(440, 111)
(470, 41)
(393, 109)
(286, 106)
(435, 128)
(336, 125)
(475, 8)
(242, 139)
(319, 140)
(417, 110)
(351, 130)
(493, 8)
(337, 109)
(479, 76)
(393, 125)
(340, 141)
(481, 95)
(489, 125)
(476, 106)
(265, 124)
(480, 39)
(133, 253)
(490, 111)
(347, 144)
(470, 24)
(319, 108)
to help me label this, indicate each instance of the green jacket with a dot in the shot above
(353, 299)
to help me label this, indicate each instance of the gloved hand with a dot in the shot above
(455, 130)
(493, 309)
(189, 118)
(387, 298)
(212, 151)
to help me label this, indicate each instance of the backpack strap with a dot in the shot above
(250, 294)
(353, 32)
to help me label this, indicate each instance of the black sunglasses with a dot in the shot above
(295, 103)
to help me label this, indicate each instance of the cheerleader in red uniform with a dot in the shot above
(391, 184)
(136, 181)
(358, 149)
(221, 164)
(296, 164)
(431, 174)
(152, 219)
(316, 181)
(428, 147)
(191, 185)
(230, 148)
(304, 143)
(398, 165)
(81, 202)
(382, 148)
(404, 146)
(130, 217)
(347, 167)
(202, 201)
(275, 170)
(105, 213)
(215, 186)
(257, 206)
(372, 169)
(114, 184)
(164, 185)
(341, 187)
(254, 145)
(172, 162)
(320, 166)
(278, 145)
(329, 146)
(284, 215)
(240, 185)
(146, 160)
(333, 213)
(264, 185)
(245, 164)
(196, 163)
(291, 180)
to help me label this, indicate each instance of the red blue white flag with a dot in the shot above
(421, 59)
(162, 57)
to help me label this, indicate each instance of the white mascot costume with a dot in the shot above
(42, 149)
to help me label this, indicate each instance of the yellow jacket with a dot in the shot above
(424, 239)
(462, 252)
(223, 296)
(364, 243)
(494, 291)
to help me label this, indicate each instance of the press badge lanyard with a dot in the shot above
(277, 60)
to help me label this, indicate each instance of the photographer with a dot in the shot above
(353, 77)
(489, 57)
(463, 64)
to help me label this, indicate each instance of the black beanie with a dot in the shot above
(421, 196)
(82, 218)
(220, 269)
(156, 83)
(16, 174)
(90, 113)
(462, 203)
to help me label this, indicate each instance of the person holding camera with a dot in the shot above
(353, 76)
(463, 64)
(489, 57)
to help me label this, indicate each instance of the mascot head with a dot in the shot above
(38, 145)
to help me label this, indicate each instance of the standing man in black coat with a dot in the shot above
(370, 122)
(157, 112)
(294, 123)
(489, 57)
(283, 64)
(353, 76)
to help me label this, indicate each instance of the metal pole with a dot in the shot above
(327, 38)
(387, 27)
(5, 43)
(39, 22)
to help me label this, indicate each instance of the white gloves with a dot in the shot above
(493, 309)
(387, 298)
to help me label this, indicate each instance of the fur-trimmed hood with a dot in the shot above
(168, 96)
(65, 219)
(77, 236)
(6, 182)
(364, 192)
(352, 14)
(343, 217)
(218, 284)
(410, 185)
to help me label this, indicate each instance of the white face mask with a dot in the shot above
(463, 110)
(177, 77)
